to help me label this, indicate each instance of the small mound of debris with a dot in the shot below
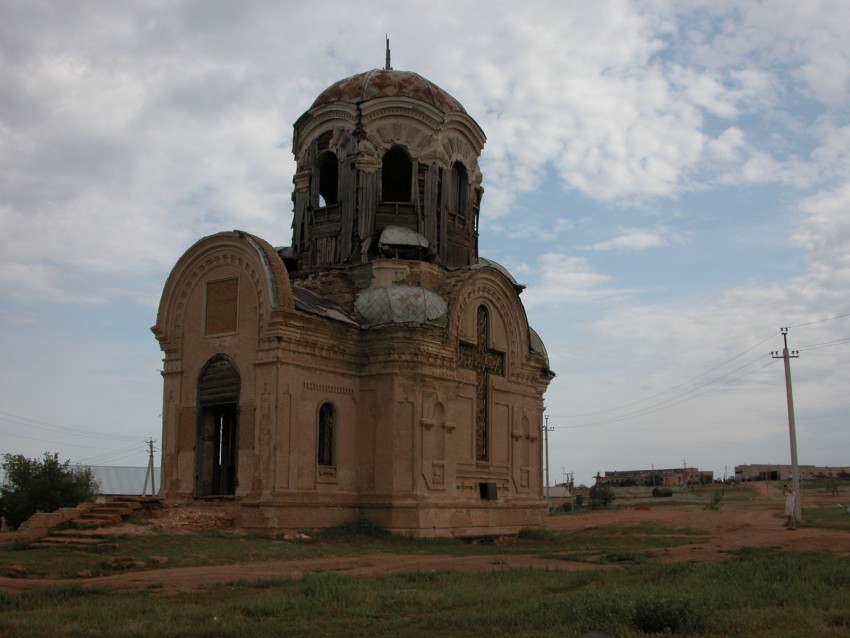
(192, 518)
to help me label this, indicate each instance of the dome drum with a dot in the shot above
(385, 148)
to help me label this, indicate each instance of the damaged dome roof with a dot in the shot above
(388, 83)
(399, 242)
(400, 304)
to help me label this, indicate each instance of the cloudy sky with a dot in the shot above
(669, 179)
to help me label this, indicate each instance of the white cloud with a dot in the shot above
(128, 132)
(727, 146)
(825, 233)
(565, 279)
(637, 239)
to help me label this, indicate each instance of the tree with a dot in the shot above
(604, 495)
(45, 485)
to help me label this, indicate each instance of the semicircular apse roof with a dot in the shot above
(536, 345)
(400, 304)
(489, 263)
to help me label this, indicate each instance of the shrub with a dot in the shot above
(657, 615)
(45, 485)
(716, 500)
(605, 495)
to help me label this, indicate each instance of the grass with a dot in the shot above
(351, 539)
(757, 593)
(828, 517)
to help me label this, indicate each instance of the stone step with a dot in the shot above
(133, 502)
(106, 510)
(94, 521)
(101, 515)
(116, 507)
(80, 533)
(66, 541)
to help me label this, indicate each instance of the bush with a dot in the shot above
(604, 495)
(657, 615)
(716, 500)
(34, 485)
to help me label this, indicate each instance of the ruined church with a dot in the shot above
(375, 368)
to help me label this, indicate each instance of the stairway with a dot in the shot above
(91, 528)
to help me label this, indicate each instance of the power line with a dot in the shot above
(112, 455)
(674, 401)
(55, 442)
(108, 454)
(825, 344)
(63, 429)
(675, 387)
(809, 323)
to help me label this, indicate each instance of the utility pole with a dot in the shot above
(150, 473)
(546, 430)
(792, 428)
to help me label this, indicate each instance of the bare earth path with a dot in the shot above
(728, 529)
(757, 526)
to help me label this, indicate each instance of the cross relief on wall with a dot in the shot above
(485, 361)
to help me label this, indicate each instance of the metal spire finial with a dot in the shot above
(388, 67)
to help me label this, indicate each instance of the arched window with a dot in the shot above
(460, 194)
(396, 176)
(328, 168)
(326, 435)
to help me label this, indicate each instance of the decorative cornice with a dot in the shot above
(328, 388)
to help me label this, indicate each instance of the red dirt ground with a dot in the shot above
(758, 524)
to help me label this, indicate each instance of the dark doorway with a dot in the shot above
(218, 429)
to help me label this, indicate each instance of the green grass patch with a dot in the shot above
(351, 539)
(759, 593)
(828, 517)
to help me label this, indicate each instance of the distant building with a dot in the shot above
(558, 496)
(125, 481)
(775, 472)
(672, 477)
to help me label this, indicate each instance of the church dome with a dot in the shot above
(379, 83)
(384, 149)
(400, 304)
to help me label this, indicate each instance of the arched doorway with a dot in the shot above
(217, 447)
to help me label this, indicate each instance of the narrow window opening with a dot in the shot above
(326, 435)
(396, 176)
(328, 167)
(461, 185)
